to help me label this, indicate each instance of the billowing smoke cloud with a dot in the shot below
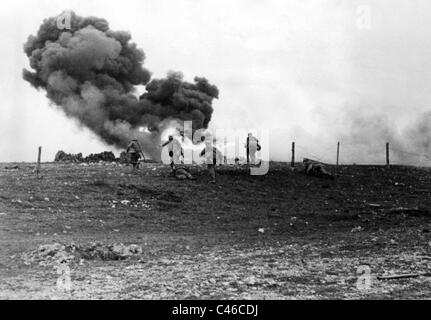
(91, 73)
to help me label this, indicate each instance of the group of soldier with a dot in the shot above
(135, 152)
(212, 156)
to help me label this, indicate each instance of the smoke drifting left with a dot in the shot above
(91, 73)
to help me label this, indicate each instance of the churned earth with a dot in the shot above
(118, 234)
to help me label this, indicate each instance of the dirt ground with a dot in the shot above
(284, 235)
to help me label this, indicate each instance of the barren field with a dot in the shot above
(284, 235)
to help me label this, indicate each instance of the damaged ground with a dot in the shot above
(146, 235)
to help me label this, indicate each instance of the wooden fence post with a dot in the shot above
(248, 152)
(292, 163)
(387, 154)
(38, 161)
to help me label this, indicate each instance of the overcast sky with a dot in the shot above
(311, 71)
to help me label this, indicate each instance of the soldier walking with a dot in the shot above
(175, 150)
(134, 150)
(211, 158)
(252, 145)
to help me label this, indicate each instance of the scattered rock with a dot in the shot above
(124, 251)
(48, 254)
(51, 249)
(56, 253)
(374, 205)
(356, 229)
(414, 211)
(251, 281)
(165, 261)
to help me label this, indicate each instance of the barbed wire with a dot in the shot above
(413, 154)
(422, 158)
(311, 155)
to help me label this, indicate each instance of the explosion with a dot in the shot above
(91, 73)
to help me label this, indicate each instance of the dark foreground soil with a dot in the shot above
(283, 235)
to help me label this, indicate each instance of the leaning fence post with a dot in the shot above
(387, 154)
(338, 153)
(38, 161)
(292, 163)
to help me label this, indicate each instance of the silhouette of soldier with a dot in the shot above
(175, 150)
(134, 150)
(252, 145)
(210, 157)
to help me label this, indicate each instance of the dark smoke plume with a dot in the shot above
(90, 72)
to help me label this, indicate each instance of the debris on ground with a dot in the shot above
(56, 253)
(374, 205)
(356, 229)
(47, 255)
(182, 173)
(404, 276)
(413, 211)
(251, 280)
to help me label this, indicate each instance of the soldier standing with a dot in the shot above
(211, 158)
(175, 150)
(135, 152)
(252, 145)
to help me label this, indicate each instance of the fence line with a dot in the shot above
(413, 154)
(337, 150)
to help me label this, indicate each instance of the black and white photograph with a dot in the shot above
(200, 150)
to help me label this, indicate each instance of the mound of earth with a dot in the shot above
(56, 253)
